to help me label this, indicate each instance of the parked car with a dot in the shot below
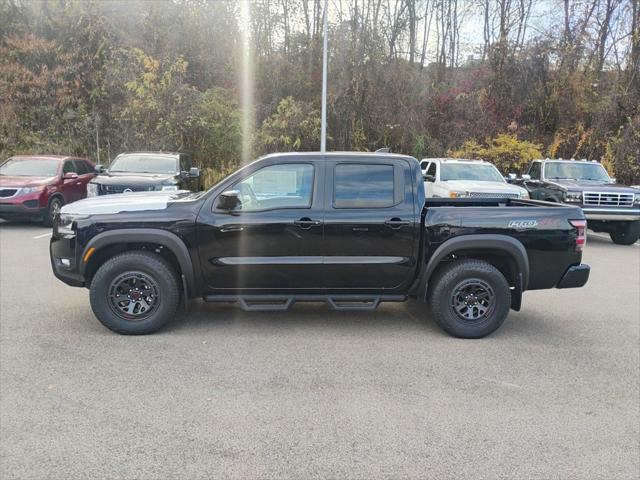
(37, 186)
(608, 207)
(462, 178)
(145, 171)
(349, 229)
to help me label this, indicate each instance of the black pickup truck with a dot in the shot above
(348, 229)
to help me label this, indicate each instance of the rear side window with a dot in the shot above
(363, 186)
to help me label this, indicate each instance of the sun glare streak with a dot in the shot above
(246, 81)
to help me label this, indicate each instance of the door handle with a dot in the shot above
(396, 223)
(306, 223)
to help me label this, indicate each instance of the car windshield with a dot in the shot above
(145, 164)
(575, 171)
(480, 172)
(29, 167)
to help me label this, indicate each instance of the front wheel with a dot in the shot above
(469, 298)
(55, 204)
(628, 235)
(135, 293)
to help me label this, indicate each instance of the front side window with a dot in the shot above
(432, 169)
(69, 167)
(363, 186)
(287, 185)
(133, 163)
(534, 171)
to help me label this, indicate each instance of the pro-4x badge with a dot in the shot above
(522, 224)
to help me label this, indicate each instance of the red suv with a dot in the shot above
(37, 186)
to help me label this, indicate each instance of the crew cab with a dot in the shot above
(348, 229)
(464, 178)
(144, 172)
(608, 207)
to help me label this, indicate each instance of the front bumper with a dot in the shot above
(575, 277)
(628, 214)
(65, 260)
(20, 210)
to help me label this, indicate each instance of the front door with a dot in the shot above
(273, 239)
(370, 226)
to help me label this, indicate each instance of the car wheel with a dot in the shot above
(55, 204)
(135, 293)
(628, 235)
(469, 298)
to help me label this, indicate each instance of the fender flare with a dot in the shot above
(488, 242)
(147, 235)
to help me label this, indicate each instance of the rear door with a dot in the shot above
(370, 227)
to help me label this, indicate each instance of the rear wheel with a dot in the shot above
(135, 293)
(55, 204)
(627, 235)
(470, 298)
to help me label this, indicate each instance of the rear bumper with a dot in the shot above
(575, 277)
(612, 214)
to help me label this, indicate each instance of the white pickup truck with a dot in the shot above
(461, 178)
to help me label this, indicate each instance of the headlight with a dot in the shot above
(28, 190)
(169, 187)
(92, 189)
(524, 194)
(66, 224)
(636, 200)
(458, 194)
(573, 197)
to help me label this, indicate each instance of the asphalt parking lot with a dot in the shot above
(312, 393)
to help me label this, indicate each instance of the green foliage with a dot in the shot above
(294, 126)
(505, 151)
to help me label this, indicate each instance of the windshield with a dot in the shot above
(145, 164)
(29, 167)
(575, 171)
(468, 171)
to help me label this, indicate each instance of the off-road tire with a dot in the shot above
(145, 264)
(442, 298)
(628, 236)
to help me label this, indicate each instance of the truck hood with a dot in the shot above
(482, 187)
(25, 181)
(123, 202)
(133, 179)
(594, 185)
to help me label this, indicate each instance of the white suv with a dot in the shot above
(462, 178)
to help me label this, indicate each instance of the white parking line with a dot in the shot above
(43, 235)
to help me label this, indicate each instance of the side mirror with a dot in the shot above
(98, 169)
(229, 200)
(526, 177)
(194, 172)
(429, 178)
(70, 176)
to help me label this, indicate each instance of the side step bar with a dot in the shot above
(284, 302)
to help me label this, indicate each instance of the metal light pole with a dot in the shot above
(323, 128)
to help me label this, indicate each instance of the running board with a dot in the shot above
(285, 302)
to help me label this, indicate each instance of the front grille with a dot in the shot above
(493, 195)
(7, 192)
(608, 199)
(109, 189)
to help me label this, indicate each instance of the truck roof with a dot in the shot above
(454, 160)
(316, 155)
(565, 160)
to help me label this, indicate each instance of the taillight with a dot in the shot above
(581, 234)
